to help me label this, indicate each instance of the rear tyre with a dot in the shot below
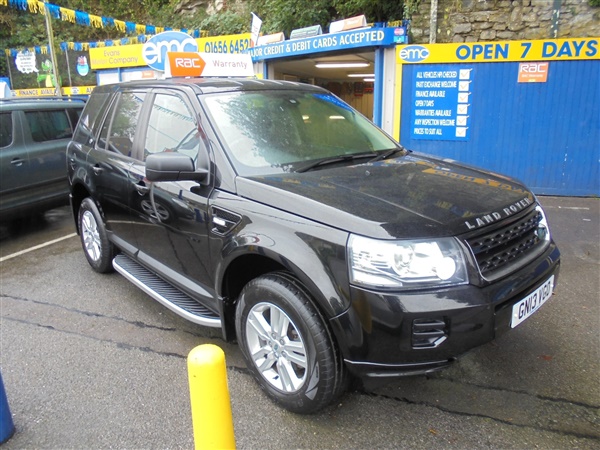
(98, 250)
(287, 345)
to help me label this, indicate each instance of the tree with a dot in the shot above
(287, 15)
(19, 29)
(374, 10)
(23, 29)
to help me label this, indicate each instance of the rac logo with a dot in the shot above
(414, 53)
(155, 50)
(188, 63)
(185, 64)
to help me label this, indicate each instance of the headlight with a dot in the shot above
(543, 230)
(406, 264)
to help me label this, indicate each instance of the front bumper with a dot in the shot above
(390, 335)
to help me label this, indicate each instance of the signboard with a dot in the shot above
(154, 52)
(117, 57)
(441, 107)
(39, 92)
(356, 39)
(234, 43)
(193, 64)
(536, 72)
(348, 24)
(26, 62)
(544, 50)
(132, 55)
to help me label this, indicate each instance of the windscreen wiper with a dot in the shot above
(333, 160)
(388, 154)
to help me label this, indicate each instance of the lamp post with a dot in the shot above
(51, 45)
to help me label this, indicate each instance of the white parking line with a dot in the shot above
(37, 247)
(567, 207)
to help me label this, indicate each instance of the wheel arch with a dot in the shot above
(78, 193)
(250, 264)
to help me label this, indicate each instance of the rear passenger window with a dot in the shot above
(49, 125)
(5, 129)
(118, 134)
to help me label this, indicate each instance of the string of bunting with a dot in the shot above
(90, 20)
(78, 46)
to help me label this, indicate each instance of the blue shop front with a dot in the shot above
(357, 65)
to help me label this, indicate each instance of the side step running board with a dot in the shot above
(165, 293)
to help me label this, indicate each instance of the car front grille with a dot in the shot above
(499, 248)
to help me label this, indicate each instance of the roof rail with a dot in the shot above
(44, 97)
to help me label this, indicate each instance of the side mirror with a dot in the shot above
(173, 167)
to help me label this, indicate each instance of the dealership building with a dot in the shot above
(529, 109)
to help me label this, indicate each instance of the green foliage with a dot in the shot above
(22, 29)
(410, 8)
(594, 2)
(287, 15)
(19, 29)
(375, 11)
(226, 22)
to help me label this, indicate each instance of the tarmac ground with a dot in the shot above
(91, 362)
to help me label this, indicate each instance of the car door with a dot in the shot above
(14, 161)
(171, 217)
(109, 162)
(49, 133)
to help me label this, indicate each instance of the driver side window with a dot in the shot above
(172, 128)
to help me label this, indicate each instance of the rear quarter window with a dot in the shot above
(6, 135)
(94, 108)
(119, 128)
(49, 125)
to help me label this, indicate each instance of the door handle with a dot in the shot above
(17, 162)
(141, 189)
(97, 170)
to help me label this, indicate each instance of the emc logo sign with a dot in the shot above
(155, 50)
(414, 53)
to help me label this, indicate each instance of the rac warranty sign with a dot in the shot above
(193, 64)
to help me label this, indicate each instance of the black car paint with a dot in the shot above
(301, 222)
(398, 198)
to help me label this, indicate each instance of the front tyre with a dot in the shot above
(287, 345)
(98, 250)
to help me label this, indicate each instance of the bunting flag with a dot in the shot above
(90, 20)
(78, 46)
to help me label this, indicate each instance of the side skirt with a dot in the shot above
(168, 295)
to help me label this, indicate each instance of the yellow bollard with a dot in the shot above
(209, 395)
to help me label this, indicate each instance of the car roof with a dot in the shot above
(212, 85)
(39, 103)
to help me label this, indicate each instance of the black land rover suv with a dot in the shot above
(276, 212)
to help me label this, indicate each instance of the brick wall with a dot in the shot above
(499, 20)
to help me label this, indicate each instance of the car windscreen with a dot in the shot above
(281, 131)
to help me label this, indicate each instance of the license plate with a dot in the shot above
(530, 304)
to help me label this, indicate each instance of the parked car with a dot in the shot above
(34, 133)
(278, 213)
